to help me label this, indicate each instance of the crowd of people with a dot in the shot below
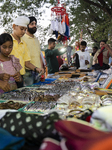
(20, 55)
(21, 58)
(99, 59)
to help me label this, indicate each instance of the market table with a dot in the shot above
(75, 98)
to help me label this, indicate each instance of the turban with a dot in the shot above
(21, 21)
(32, 19)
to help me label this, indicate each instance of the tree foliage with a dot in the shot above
(93, 16)
(9, 9)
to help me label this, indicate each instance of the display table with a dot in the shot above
(78, 98)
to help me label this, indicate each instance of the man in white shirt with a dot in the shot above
(84, 56)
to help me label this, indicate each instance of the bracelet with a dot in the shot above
(35, 69)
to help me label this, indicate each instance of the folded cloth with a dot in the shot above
(81, 136)
(101, 118)
(98, 67)
(34, 128)
(9, 142)
(50, 144)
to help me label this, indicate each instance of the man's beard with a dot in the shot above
(32, 30)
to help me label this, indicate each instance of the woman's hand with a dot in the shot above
(5, 77)
(4, 85)
(17, 77)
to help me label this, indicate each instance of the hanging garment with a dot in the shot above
(69, 50)
(53, 25)
(56, 33)
(67, 20)
(67, 32)
(63, 24)
(56, 25)
(61, 31)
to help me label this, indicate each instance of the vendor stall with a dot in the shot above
(71, 102)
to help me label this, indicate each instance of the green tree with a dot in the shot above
(9, 9)
(93, 16)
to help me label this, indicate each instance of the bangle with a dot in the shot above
(35, 69)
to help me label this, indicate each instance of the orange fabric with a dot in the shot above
(105, 144)
(63, 19)
(67, 20)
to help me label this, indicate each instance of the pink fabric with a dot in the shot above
(50, 144)
(16, 63)
(10, 67)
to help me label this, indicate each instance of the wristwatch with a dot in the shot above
(35, 69)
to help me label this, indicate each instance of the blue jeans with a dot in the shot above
(30, 78)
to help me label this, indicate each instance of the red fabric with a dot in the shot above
(67, 20)
(63, 19)
(50, 144)
(64, 39)
(100, 57)
(60, 61)
(88, 118)
(82, 137)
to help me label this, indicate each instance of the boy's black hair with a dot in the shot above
(83, 43)
(4, 37)
(51, 40)
(103, 41)
(95, 47)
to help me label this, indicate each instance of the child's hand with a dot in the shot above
(4, 85)
(5, 77)
(17, 77)
(40, 70)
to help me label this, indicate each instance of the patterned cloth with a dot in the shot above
(33, 128)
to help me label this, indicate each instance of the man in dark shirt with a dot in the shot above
(50, 54)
